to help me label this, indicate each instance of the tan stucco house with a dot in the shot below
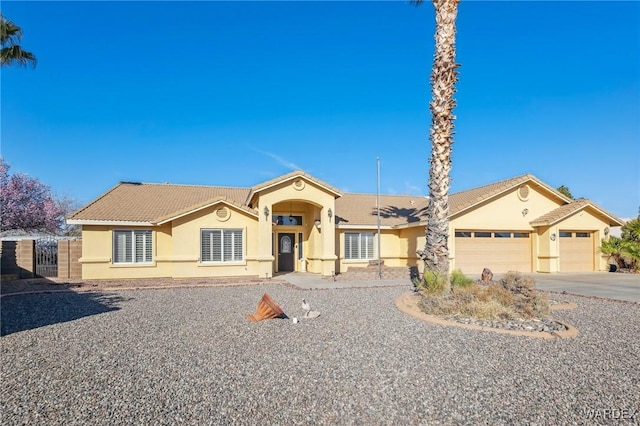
(299, 223)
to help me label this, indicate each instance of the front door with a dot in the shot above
(286, 252)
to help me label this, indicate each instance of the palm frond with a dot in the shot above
(15, 55)
(10, 33)
(12, 53)
(632, 250)
(631, 230)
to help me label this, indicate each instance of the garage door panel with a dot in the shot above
(498, 254)
(576, 251)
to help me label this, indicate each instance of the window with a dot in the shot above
(502, 234)
(565, 234)
(482, 234)
(582, 235)
(520, 235)
(300, 252)
(132, 246)
(221, 245)
(463, 234)
(287, 220)
(358, 245)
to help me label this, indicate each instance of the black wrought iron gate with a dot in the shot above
(47, 257)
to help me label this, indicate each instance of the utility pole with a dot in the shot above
(378, 208)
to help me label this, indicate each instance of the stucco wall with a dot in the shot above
(176, 245)
(320, 247)
(549, 240)
(390, 249)
(97, 252)
(411, 240)
(506, 212)
(310, 234)
(186, 237)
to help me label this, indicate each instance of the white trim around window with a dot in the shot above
(359, 245)
(221, 245)
(132, 246)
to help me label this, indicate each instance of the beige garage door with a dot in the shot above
(500, 251)
(576, 251)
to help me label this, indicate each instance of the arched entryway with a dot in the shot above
(295, 234)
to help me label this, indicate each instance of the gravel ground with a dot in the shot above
(189, 356)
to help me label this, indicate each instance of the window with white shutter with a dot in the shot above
(132, 246)
(221, 245)
(359, 245)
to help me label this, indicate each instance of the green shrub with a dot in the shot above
(435, 283)
(458, 279)
(624, 251)
(431, 283)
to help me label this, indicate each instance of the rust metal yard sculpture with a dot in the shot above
(267, 309)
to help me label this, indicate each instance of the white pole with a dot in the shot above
(378, 207)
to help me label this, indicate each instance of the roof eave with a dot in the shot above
(288, 178)
(422, 223)
(350, 226)
(522, 180)
(109, 222)
(166, 219)
(613, 220)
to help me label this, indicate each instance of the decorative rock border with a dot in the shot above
(408, 304)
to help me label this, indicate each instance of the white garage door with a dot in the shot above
(576, 251)
(500, 251)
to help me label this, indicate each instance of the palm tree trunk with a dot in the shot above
(443, 79)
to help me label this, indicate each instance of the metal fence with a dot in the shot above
(46, 257)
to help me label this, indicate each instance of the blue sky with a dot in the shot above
(236, 93)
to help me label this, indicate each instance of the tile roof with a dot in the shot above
(204, 204)
(360, 209)
(400, 211)
(157, 203)
(290, 176)
(567, 210)
(463, 200)
(149, 202)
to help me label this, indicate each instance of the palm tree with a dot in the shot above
(614, 248)
(444, 76)
(632, 252)
(631, 230)
(12, 53)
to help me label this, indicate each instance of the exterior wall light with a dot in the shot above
(525, 212)
(266, 212)
(330, 213)
(317, 223)
(553, 236)
(606, 231)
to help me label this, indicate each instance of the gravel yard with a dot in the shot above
(189, 356)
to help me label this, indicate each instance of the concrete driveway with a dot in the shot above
(601, 284)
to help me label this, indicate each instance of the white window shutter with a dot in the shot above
(132, 246)
(216, 246)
